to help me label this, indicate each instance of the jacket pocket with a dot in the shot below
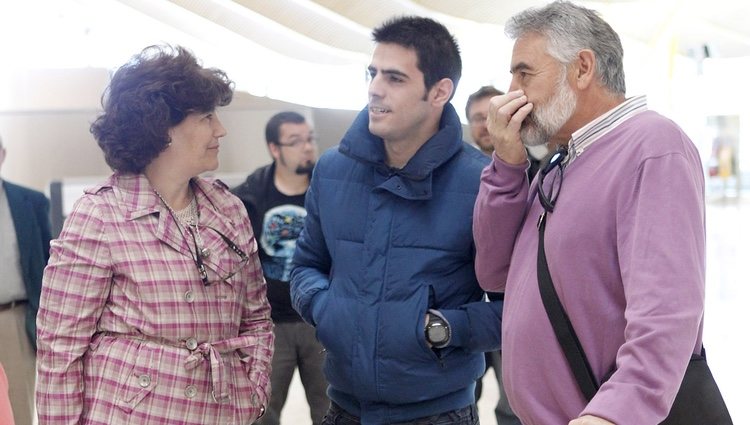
(139, 377)
(336, 324)
(336, 310)
(249, 396)
(401, 336)
(319, 305)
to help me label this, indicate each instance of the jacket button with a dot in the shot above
(144, 381)
(191, 391)
(189, 296)
(191, 344)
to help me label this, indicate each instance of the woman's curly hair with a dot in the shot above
(147, 96)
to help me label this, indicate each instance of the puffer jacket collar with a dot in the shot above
(414, 181)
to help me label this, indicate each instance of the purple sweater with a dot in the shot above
(626, 251)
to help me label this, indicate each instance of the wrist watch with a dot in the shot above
(436, 331)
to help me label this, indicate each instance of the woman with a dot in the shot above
(153, 306)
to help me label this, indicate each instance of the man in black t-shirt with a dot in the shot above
(274, 196)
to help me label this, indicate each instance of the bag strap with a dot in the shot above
(560, 321)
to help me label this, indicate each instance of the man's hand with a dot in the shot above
(426, 321)
(504, 119)
(590, 420)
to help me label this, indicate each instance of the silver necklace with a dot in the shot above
(188, 218)
(201, 253)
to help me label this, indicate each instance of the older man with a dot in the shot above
(625, 235)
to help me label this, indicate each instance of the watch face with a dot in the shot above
(437, 334)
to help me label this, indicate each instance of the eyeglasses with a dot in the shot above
(478, 119)
(201, 253)
(553, 161)
(296, 143)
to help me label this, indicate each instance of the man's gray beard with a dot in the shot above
(545, 121)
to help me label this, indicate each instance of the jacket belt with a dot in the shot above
(213, 352)
(204, 351)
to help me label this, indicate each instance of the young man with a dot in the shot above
(625, 235)
(477, 107)
(24, 251)
(274, 196)
(385, 264)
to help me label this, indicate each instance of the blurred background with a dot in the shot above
(692, 59)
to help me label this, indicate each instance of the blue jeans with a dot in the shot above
(465, 416)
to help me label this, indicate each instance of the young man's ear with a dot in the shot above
(441, 92)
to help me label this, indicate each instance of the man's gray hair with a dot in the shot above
(568, 29)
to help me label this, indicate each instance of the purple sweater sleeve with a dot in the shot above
(661, 242)
(498, 214)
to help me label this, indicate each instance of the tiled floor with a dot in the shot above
(726, 335)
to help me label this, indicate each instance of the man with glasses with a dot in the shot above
(385, 263)
(274, 196)
(624, 238)
(477, 107)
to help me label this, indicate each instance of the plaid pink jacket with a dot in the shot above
(129, 334)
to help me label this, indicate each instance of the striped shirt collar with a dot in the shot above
(596, 129)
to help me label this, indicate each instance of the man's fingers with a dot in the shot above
(506, 113)
(517, 118)
(504, 107)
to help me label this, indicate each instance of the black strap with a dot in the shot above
(564, 331)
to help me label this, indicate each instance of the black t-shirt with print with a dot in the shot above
(277, 221)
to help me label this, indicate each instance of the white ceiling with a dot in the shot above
(338, 31)
(303, 50)
(296, 27)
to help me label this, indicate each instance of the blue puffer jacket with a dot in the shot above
(379, 248)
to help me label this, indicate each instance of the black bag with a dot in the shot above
(698, 401)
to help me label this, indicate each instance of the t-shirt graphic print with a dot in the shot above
(282, 226)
